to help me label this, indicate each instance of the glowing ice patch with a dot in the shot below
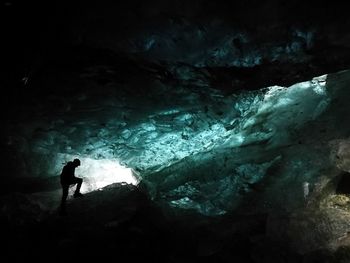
(283, 102)
(273, 91)
(319, 84)
(319, 90)
(239, 138)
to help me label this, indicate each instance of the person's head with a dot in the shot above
(76, 162)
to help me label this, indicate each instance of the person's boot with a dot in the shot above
(77, 194)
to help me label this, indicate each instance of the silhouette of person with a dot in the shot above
(68, 178)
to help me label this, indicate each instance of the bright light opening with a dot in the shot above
(97, 174)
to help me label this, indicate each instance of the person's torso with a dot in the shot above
(67, 172)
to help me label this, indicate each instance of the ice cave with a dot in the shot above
(208, 131)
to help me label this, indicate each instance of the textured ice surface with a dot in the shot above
(193, 147)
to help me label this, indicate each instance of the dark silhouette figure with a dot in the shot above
(67, 179)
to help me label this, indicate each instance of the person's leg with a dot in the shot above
(79, 182)
(65, 189)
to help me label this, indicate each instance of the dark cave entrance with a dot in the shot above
(343, 186)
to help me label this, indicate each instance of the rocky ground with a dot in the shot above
(120, 222)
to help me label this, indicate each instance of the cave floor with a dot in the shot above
(121, 222)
